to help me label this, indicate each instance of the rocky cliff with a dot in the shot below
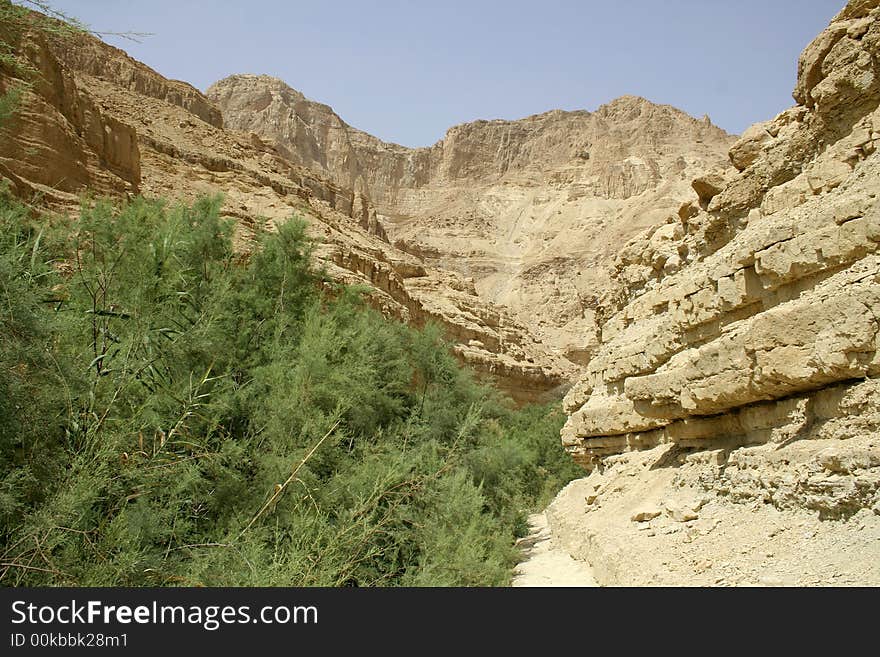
(776, 308)
(532, 210)
(733, 404)
(92, 119)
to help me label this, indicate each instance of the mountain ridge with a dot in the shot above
(626, 98)
(523, 207)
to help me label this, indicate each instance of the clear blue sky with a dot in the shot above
(407, 71)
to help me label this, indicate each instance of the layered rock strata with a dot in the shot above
(770, 334)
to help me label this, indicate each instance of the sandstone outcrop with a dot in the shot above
(96, 120)
(531, 210)
(60, 140)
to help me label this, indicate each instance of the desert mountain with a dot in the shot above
(531, 210)
(98, 121)
(728, 412)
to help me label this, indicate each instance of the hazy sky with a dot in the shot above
(407, 71)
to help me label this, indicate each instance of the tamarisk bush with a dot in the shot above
(172, 413)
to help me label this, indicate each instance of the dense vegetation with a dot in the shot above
(174, 414)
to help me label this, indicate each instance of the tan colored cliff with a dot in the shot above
(532, 210)
(95, 120)
(730, 419)
(774, 316)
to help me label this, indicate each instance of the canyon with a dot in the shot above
(531, 210)
(706, 304)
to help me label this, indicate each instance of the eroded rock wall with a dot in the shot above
(60, 140)
(766, 333)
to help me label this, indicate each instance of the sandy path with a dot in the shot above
(546, 565)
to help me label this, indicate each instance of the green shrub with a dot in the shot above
(170, 415)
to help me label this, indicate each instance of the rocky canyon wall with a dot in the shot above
(93, 120)
(777, 309)
(532, 210)
(730, 419)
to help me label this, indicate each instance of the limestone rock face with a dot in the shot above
(531, 210)
(61, 140)
(729, 419)
(768, 328)
(113, 65)
(97, 120)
